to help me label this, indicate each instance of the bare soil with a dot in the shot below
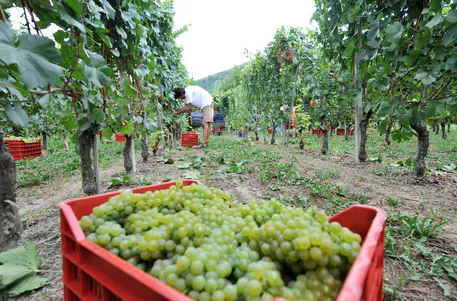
(41, 216)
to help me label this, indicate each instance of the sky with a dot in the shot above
(221, 30)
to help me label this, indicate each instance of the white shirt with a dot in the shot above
(198, 97)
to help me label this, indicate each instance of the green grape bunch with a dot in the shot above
(26, 140)
(199, 241)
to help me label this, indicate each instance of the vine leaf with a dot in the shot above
(71, 21)
(35, 56)
(16, 114)
(191, 174)
(437, 19)
(18, 270)
(95, 69)
(107, 132)
(425, 77)
(109, 10)
(74, 6)
(394, 31)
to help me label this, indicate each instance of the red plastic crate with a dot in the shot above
(22, 150)
(189, 139)
(121, 137)
(92, 273)
(340, 132)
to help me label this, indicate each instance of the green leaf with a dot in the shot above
(99, 116)
(109, 10)
(450, 35)
(451, 16)
(127, 129)
(409, 162)
(445, 287)
(425, 77)
(373, 31)
(94, 70)
(435, 5)
(35, 57)
(169, 160)
(191, 174)
(394, 31)
(184, 165)
(95, 76)
(128, 88)
(420, 42)
(44, 100)
(7, 2)
(437, 19)
(64, 15)
(350, 49)
(17, 263)
(75, 6)
(416, 277)
(107, 132)
(385, 108)
(16, 114)
(68, 122)
(25, 285)
(121, 32)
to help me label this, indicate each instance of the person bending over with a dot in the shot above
(200, 98)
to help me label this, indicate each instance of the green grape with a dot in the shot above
(86, 223)
(171, 279)
(182, 263)
(103, 239)
(210, 285)
(223, 269)
(218, 296)
(198, 283)
(180, 285)
(315, 253)
(204, 296)
(230, 292)
(194, 295)
(254, 288)
(196, 267)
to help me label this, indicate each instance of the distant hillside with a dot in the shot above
(211, 83)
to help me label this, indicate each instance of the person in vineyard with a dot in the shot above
(285, 110)
(200, 98)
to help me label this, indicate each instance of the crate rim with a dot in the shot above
(353, 289)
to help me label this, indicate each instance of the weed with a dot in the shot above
(394, 202)
(422, 228)
(128, 181)
(388, 171)
(280, 171)
(326, 174)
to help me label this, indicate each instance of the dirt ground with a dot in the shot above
(41, 216)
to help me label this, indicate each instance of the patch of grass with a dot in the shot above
(128, 181)
(62, 162)
(388, 171)
(422, 227)
(394, 202)
(280, 171)
(326, 174)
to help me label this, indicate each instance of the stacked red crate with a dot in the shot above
(21, 150)
(189, 139)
